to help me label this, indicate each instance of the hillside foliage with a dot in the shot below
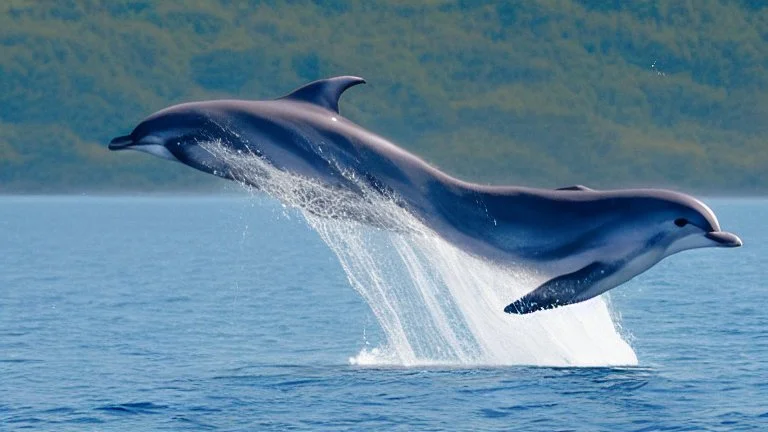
(543, 93)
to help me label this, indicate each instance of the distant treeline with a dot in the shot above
(543, 93)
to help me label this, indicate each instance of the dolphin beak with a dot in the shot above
(724, 239)
(121, 142)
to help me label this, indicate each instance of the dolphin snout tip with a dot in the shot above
(725, 239)
(120, 142)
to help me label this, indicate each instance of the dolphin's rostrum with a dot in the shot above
(585, 241)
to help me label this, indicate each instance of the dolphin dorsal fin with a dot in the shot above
(574, 188)
(325, 92)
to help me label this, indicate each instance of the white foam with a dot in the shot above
(437, 304)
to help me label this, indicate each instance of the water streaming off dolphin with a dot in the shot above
(437, 304)
(440, 260)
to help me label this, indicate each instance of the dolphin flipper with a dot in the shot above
(563, 290)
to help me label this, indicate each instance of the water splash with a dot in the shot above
(436, 304)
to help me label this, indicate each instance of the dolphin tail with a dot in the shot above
(563, 290)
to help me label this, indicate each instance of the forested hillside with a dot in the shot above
(543, 93)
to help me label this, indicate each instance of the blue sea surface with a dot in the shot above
(230, 313)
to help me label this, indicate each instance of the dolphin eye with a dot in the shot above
(681, 222)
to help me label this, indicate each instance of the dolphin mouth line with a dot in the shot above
(121, 143)
(724, 239)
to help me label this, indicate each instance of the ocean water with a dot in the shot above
(236, 313)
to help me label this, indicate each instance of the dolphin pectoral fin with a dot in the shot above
(575, 188)
(563, 290)
(326, 92)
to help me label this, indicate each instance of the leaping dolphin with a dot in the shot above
(586, 241)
